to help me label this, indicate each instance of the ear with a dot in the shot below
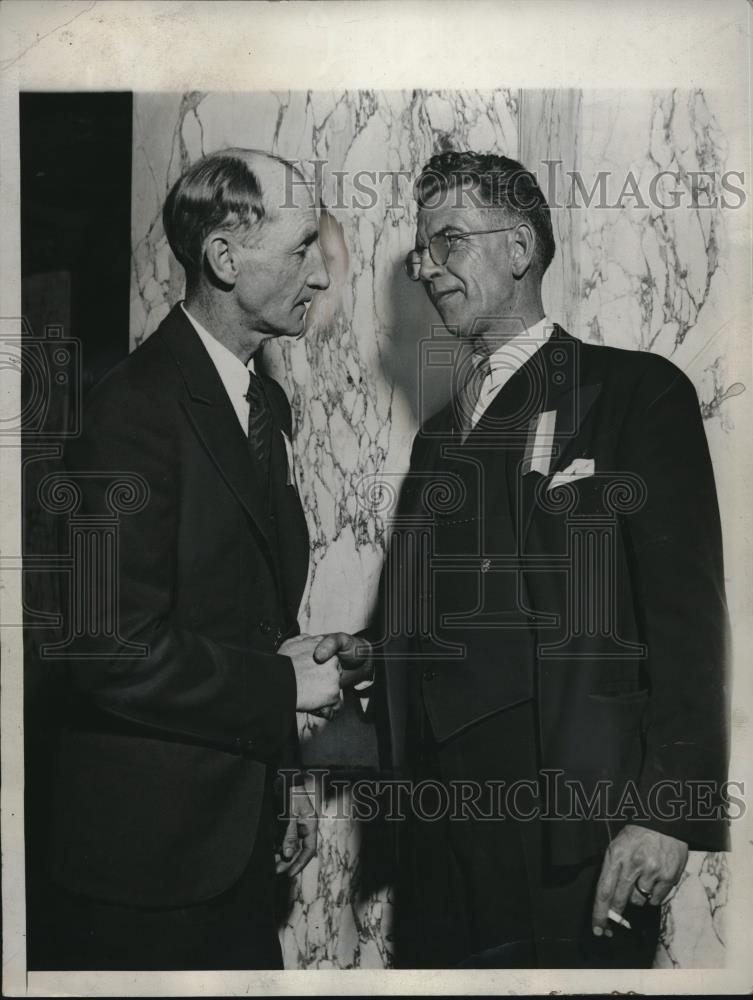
(523, 246)
(220, 255)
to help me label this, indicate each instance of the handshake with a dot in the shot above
(324, 665)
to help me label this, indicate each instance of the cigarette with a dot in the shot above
(613, 915)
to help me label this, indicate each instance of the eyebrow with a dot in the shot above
(309, 236)
(443, 229)
(449, 228)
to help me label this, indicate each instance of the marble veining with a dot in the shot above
(701, 894)
(653, 273)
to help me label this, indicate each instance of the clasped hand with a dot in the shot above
(323, 665)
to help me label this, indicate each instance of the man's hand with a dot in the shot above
(354, 655)
(637, 859)
(317, 680)
(299, 843)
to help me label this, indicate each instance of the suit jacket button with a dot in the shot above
(265, 626)
(249, 745)
(532, 619)
(429, 675)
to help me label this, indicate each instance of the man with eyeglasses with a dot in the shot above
(567, 690)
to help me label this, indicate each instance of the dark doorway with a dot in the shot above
(75, 265)
(76, 213)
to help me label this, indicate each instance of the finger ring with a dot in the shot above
(645, 893)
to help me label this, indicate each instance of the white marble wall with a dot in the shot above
(649, 278)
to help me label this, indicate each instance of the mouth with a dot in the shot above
(444, 294)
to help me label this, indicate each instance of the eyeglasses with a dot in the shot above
(440, 247)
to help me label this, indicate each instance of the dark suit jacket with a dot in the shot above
(169, 735)
(630, 682)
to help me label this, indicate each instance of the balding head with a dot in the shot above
(237, 190)
(282, 184)
(251, 255)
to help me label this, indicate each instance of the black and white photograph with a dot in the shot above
(375, 582)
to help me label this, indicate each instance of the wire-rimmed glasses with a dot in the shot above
(440, 247)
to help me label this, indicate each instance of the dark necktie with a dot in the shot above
(468, 397)
(259, 421)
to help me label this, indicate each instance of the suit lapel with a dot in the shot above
(550, 380)
(214, 421)
(439, 433)
(570, 395)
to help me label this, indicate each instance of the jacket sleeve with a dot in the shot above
(152, 671)
(677, 575)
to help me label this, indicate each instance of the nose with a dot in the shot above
(428, 269)
(319, 277)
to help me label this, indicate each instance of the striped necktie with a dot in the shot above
(259, 421)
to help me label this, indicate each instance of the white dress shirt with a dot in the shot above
(508, 359)
(233, 373)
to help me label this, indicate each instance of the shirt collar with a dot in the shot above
(515, 352)
(230, 367)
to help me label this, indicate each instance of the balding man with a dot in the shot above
(163, 838)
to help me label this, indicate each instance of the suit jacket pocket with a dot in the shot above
(149, 822)
(604, 738)
(626, 700)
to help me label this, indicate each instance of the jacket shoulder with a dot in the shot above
(143, 378)
(649, 374)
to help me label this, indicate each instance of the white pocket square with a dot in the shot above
(578, 469)
(540, 445)
(291, 463)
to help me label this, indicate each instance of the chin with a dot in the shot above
(294, 328)
(454, 321)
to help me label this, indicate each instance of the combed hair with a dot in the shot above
(500, 181)
(219, 190)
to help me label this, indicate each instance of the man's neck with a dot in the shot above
(491, 339)
(225, 324)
